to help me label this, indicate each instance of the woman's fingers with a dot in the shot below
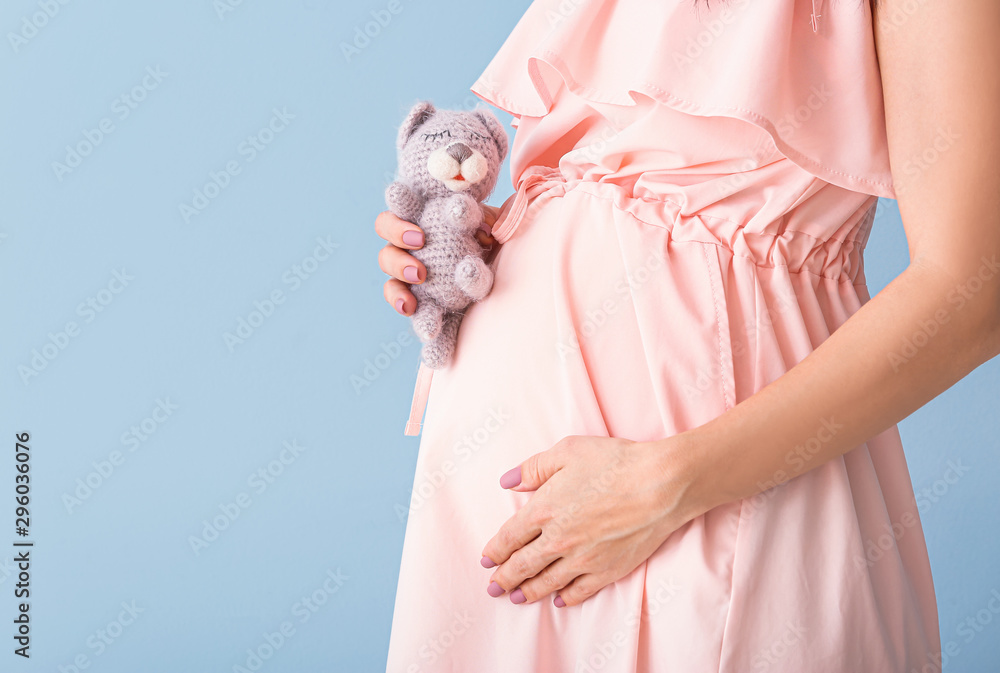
(490, 214)
(400, 264)
(398, 232)
(404, 269)
(485, 238)
(394, 260)
(401, 236)
(398, 294)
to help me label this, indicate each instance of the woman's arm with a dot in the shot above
(940, 65)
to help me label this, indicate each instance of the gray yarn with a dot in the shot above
(432, 145)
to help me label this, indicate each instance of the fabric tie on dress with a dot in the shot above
(534, 180)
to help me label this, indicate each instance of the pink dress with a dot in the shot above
(694, 192)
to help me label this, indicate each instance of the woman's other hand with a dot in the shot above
(601, 506)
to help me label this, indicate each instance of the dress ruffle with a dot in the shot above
(804, 71)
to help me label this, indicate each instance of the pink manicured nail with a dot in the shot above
(511, 478)
(410, 274)
(486, 562)
(399, 305)
(413, 237)
(494, 589)
(559, 602)
(517, 596)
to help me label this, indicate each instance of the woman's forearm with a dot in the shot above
(858, 382)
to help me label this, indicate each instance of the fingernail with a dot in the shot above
(410, 274)
(413, 237)
(559, 602)
(517, 596)
(399, 305)
(511, 478)
(486, 562)
(494, 589)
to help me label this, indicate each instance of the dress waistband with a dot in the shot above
(837, 257)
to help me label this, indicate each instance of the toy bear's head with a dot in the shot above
(442, 152)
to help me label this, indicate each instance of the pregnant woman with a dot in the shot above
(667, 441)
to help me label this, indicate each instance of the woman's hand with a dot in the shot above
(602, 506)
(404, 268)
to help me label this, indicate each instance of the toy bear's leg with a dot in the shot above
(427, 320)
(438, 353)
(474, 277)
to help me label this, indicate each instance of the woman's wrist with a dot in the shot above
(688, 480)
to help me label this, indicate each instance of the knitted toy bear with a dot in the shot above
(448, 163)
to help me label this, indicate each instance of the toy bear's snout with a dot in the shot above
(457, 165)
(459, 151)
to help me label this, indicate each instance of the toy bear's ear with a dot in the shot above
(419, 113)
(495, 128)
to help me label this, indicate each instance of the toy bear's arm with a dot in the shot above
(404, 203)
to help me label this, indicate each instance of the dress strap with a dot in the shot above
(814, 17)
(533, 180)
(420, 393)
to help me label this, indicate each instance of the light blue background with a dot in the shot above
(336, 505)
